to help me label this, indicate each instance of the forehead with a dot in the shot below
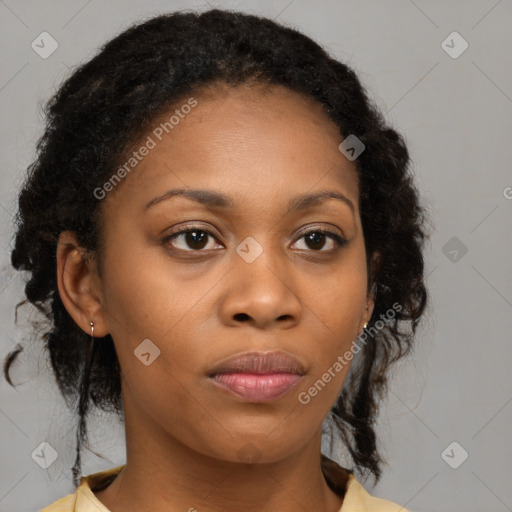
(262, 141)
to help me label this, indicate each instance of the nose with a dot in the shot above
(261, 293)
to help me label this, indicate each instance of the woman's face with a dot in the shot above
(254, 273)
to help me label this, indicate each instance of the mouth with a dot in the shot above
(258, 377)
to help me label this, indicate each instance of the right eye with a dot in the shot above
(194, 237)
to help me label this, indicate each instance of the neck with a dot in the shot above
(161, 474)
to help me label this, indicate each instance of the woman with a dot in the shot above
(219, 226)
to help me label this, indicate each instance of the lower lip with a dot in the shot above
(257, 388)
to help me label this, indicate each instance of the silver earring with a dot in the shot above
(92, 329)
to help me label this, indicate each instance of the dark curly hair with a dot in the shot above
(108, 104)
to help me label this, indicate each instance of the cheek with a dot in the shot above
(336, 309)
(143, 298)
(155, 311)
(339, 302)
(158, 350)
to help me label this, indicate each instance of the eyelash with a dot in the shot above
(338, 240)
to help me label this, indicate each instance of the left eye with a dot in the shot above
(317, 237)
(197, 239)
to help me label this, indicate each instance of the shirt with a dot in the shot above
(356, 498)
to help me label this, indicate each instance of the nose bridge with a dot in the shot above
(258, 265)
(261, 289)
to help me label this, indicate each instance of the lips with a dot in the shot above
(258, 377)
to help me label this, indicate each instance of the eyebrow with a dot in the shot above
(219, 200)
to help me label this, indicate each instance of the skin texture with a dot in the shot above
(261, 147)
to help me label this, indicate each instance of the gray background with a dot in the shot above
(456, 115)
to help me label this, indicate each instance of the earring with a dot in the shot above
(365, 326)
(92, 329)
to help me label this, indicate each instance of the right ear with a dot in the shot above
(79, 285)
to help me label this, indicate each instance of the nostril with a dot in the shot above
(241, 317)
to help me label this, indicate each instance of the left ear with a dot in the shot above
(372, 285)
(370, 304)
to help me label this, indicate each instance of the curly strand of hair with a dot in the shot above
(83, 405)
(11, 356)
